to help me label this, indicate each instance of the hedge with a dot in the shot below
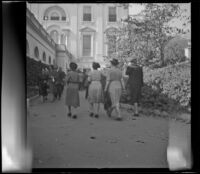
(33, 72)
(166, 89)
(172, 83)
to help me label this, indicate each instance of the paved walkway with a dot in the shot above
(61, 142)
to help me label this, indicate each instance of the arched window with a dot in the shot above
(58, 14)
(44, 57)
(55, 16)
(27, 48)
(49, 60)
(36, 52)
(54, 35)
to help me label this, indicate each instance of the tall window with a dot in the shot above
(44, 57)
(63, 38)
(66, 41)
(36, 52)
(55, 16)
(49, 60)
(86, 45)
(87, 13)
(112, 14)
(63, 18)
(54, 35)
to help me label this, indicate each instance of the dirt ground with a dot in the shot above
(61, 142)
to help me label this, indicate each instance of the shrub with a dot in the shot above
(32, 91)
(175, 50)
(173, 81)
(33, 71)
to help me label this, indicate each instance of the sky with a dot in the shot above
(135, 8)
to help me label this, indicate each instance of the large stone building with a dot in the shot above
(41, 47)
(80, 27)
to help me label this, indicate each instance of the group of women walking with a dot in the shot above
(103, 88)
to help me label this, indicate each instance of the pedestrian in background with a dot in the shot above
(43, 86)
(134, 83)
(51, 83)
(72, 90)
(85, 76)
(114, 85)
(81, 80)
(86, 83)
(95, 92)
(54, 86)
(107, 100)
(59, 82)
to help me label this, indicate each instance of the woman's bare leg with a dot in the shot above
(118, 110)
(91, 108)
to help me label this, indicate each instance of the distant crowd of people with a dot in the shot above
(52, 80)
(101, 87)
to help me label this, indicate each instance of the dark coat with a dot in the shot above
(135, 82)
(43, 89)
(107, 99)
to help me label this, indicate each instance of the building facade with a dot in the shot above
(41, 47)
(80, 27)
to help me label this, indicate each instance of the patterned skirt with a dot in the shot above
(95, 92)
(115, 91)
(72, 95)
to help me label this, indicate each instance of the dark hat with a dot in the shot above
(73, 66)
(114, 62)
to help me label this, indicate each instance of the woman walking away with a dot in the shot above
(95, 92)
(114, 85)
(135, 83)
(72, 90)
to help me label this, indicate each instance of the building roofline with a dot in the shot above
(31, 18)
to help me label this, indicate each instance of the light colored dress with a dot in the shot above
(95, 92)
(72, 90)
(115, 86)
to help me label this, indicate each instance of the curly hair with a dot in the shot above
(95, 65)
